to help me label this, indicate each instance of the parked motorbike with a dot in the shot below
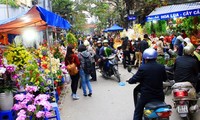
(111, 64)
(185, 99)
(156, 110)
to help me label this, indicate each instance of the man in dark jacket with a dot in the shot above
(80, 41)
(126, 51)
(144, 44)
(98, 57)
(151, 76)
(186, 67)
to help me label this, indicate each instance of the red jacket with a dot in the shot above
(75, 59)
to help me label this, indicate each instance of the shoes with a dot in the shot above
(85, 95)
(90, 94)
(75, 97)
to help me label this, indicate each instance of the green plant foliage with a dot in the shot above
(161, 60)
(71, 39)
(12, 3)
(170, 62)
(147, 27)
(159, 27)
(33, 76)
(57, 54)
(62, 7)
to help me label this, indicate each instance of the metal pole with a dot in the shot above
(7, 8)
(48, 44)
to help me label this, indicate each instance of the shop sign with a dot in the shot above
(131, 18)
(187, 13)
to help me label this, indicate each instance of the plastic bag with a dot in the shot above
(67, 78)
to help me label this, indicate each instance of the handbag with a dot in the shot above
(72, 68)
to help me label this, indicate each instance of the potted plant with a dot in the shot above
(7, 84)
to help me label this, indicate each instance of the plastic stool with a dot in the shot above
(7, 113)
(56, 110)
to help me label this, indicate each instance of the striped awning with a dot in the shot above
(175, 11)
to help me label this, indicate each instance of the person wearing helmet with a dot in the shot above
(186, 67)
(105, 51)
(97, 57)
(151, 76)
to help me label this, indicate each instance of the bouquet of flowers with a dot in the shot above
(57, 53)
(33, 76)
(7, 75)
(18, 56)
(43, 59)
(31, 106)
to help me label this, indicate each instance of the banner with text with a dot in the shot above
(172, 15)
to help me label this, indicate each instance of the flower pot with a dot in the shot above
(6, 101)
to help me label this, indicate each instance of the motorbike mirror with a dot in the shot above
(129, 68)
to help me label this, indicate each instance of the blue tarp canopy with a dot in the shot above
(115, 27)
(37, 17)
(174, 11)
(106, 30)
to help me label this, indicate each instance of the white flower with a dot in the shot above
(5, 61)
(2, 70)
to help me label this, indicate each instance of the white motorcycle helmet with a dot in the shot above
(188, 50)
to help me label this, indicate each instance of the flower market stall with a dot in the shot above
(33, 72)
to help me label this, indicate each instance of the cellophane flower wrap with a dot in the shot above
(32, 106)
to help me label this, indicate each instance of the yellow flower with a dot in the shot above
(31, 80)
(37, 83)
(47, 71)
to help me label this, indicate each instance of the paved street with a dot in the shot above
(109, 101)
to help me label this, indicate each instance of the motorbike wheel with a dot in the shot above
(116, 74)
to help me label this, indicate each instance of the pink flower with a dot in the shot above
(40, 114)
(19, 96)
(31, 88)
(48, 114)
(29, 96)
(41, 97)
(17, 107)
(21, 115)
(46, 105)
(15, 76)
(23, 104)
(31, 108)
(10, 68)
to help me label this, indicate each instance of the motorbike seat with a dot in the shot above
(156, 104)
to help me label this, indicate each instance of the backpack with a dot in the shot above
(72, 68)
(87, 67)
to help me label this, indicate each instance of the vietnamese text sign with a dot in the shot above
(172, 15)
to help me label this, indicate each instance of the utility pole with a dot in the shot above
(7, 8)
